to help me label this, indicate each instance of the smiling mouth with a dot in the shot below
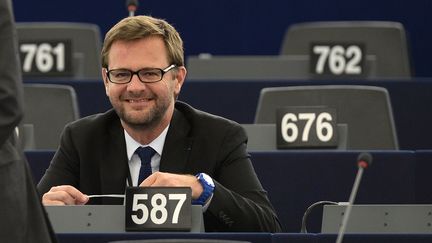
(138, 100)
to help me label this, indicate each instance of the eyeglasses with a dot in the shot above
(145, 75)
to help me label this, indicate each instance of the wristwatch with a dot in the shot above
(208, 186)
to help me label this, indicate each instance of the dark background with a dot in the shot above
(243, 27)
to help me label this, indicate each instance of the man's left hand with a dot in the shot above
(174, 180)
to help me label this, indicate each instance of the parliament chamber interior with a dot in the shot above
(361, 69)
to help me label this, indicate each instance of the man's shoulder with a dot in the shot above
(203, 122)
(210, 132)
(199, 117)
(95, 121)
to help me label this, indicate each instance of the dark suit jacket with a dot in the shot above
(92, 157)
(22, 218)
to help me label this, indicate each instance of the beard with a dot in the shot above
(148, 118)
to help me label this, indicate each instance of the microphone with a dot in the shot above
(364, 160)
(131, 6)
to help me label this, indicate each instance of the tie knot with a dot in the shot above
(145, 153)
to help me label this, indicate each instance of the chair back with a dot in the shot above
(59, 50)
(366, 110)
(385, 44)
(47, 109)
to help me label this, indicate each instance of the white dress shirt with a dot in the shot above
(134, 160)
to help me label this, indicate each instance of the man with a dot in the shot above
(143, 72)
(22, 218)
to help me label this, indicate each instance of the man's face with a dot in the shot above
(138, 103)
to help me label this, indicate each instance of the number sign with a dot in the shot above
(306, 127)
(46, 58)
(158, 209)
(333, 59)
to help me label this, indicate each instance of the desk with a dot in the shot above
(296, 179)
(96, 238)
(237, 100)
(251, 237)
(424, 178)
(352, 238)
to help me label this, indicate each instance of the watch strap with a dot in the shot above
(208, 189)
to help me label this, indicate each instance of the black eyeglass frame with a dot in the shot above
(132, 73)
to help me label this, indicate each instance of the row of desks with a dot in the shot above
(250, 237)
(237, 100)
(296, 179)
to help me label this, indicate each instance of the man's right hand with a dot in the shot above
(64, 195)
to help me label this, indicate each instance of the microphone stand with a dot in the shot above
(363, 161)
(350, 204)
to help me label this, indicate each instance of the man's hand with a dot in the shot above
(174, 180)
(64, 195)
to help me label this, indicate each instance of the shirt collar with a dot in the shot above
(156, 144)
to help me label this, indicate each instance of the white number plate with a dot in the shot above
(158, 209)
(337, 59)
(306, 127)
(46, 58)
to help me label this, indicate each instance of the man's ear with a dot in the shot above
(180, 79)
(105, 80)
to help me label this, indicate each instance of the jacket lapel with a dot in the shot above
(177, 145)
(114, 163)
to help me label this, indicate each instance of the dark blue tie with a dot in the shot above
(145, 154)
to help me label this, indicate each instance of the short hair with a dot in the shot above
(138, 27)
